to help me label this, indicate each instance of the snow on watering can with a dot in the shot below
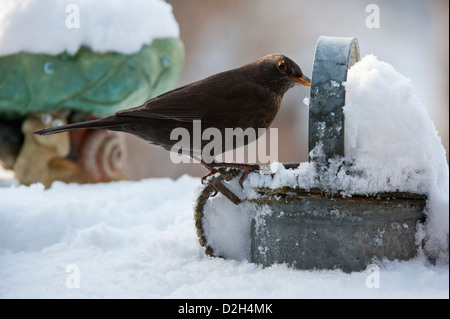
(42, 90)
(312, 224)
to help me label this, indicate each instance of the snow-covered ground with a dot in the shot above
(137, 240)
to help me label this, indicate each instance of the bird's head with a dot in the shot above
(280, 71)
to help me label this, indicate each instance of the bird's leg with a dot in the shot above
(211, 170)
(246, 168)
(215, 181)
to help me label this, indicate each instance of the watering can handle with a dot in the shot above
(332, 59)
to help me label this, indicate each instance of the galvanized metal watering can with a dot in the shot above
(316, 228)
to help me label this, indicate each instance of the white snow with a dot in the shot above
(102, 25)
(230, 225)
(391, 138)
(137, 240)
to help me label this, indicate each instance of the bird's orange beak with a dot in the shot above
(306, 81)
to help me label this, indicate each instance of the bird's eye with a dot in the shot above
(282, 66)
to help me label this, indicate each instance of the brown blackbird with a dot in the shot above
(245, 97)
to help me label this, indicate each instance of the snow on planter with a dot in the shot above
(53, 27)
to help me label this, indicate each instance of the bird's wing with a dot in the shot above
(204, 100)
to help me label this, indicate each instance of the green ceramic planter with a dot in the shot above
(89, 82)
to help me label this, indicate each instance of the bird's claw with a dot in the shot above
(216, 176)
(213, 194)
(205, 178)
(246, 171)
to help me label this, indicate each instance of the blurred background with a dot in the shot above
(220, 35)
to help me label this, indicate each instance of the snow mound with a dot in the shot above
(133, 240)
(52, 27)
(391, 138)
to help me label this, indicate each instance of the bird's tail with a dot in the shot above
(106, 123)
